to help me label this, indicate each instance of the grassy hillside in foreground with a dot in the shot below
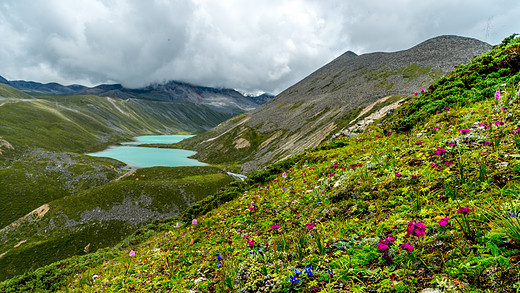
(436, 206)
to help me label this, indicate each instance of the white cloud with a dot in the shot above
(267, 45)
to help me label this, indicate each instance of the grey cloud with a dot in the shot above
(266, 45)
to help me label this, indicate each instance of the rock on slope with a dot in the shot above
(328, 100)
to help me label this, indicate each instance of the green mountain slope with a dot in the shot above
(44, 173)
(329, 100)
(432, 206)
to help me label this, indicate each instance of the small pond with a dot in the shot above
(144, 157)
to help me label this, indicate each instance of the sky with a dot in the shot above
(252, 46)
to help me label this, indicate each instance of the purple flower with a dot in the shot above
(497, 95)
(407, 246)
(284, 174)
(465, 210)
(444, 221)
(487, 143)
(463, 131)
(132, 253)
(194, 222)
(397, 175)
(417, 229)
(418, 143)
(499, 123)
(308, 270)
(310, 225)
(275, 226)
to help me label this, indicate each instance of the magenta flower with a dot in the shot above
(397, 175)
(465, 210)
(422, 90)
(497, 95)
(384, 244)
(440, 151)
(417, 229)
(447, 108)
(251, 243)
(485, 124)
(437, 111)
(310, 225)
(452, 144)
(194, 222)
(499, 123)
(418, 143)
(252, 207)
(435, 129)
(487, 143)
(444, 221)
(275, 226)
(463, 131)
(132, 253)
(407, 246)
(518, 94)
(284, 174)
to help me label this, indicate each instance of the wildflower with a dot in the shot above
(437, 112)
(388, 134)
(219, 257)
(415, 94)
(331, 272)
(252, 252)
(191, 242)
(245, 236)
(418, 143)
(444, 221)
(487, 143)
(440, 151)
(422, 90)
(452, 144)
(384, 244)
(447, 108)
(417, 229)
(463, 131)
(252, 207)
(498, 123)
(465, 210)
(132, 253)
(284, 174)
(308, 270)
(294, 279)
(407, 246)
(310, 225)
(497, 95)
(397, 175)
(518, 94)
(435, 129)
(219, 265)
(485, 124)
(297, 272)
(275, 226)
(516, 130)
(251, 243)
(194, 222)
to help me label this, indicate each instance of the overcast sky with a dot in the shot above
(252, 46)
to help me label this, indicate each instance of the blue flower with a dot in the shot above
(309, 272)
(331, 272)
(219, 257)
(294, 279)
(219, 265)
(252, 252)
(297, 272)
(343, 246)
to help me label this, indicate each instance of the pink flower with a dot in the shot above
(132, 253)
(465, 210)
(444, 221)
(463, 131)
(382, 246)
(252, 207)
(440, 151)
(284, 174)
(415, 94)
(487, 143)
(485, 124)
(452, 144)
(194, 222)
(437, 111)
(397, 175)
(447, 108)
(497, 95)
(310, 225)
(407, 246)
(499, 123)
(418, 143)
(422, 90)
(417, 229)
(435, 129)
(275, 226)
(251, 243)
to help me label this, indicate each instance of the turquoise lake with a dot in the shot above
(144, 157)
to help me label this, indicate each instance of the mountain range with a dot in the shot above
(329, 100)
(219, 99)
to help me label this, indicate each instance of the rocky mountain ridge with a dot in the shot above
(329, 100)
